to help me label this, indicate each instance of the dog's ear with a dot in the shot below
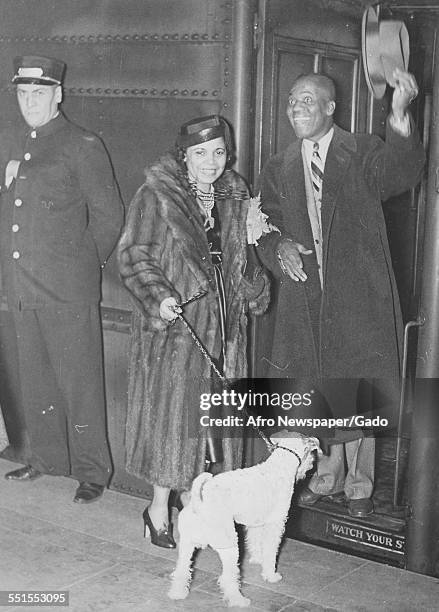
(314, 444)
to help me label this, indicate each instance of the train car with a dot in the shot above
(137, 69)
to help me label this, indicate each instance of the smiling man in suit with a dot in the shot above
(338, 313)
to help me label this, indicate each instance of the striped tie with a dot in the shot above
(317, 171)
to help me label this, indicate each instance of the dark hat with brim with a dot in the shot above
(201, 129)
(35, 69)
(385, 46)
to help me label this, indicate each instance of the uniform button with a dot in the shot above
(18, 202)
(27, 156)
(15, 227)
(16, 254)
(33, 134)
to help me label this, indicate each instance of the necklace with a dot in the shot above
(207, 201)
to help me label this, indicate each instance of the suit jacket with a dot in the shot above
(59, 218)
(351, 328)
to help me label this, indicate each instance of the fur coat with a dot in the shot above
(164, 252)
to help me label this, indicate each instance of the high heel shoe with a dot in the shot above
(159, 537)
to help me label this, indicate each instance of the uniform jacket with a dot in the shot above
(351, 328)
(60, 217)
(164, 252)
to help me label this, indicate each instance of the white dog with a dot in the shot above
(258, 497)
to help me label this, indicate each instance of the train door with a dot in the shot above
(299, 37)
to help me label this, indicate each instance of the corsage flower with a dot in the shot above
(257, 221)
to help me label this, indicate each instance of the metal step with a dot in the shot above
(327, 523)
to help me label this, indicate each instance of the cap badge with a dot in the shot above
(30, 73)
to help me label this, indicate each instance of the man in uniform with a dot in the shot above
(60, 217)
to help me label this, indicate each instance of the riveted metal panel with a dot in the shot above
(79, 20)
(135, 131)
(123, 69)
(136, 70)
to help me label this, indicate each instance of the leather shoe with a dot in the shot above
(360, 507)
(26, 473)
(88, 492)
(308, 497)
(160, 537)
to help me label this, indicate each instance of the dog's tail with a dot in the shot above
(197, 490)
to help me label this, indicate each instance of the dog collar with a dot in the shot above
(274, 446)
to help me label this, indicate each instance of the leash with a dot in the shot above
(272, 446)
(202, 349)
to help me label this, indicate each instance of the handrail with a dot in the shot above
(415, 323)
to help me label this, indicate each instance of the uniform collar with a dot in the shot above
(50, 127)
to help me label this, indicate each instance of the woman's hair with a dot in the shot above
(203, 129)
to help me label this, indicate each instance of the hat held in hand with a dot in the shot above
(385, 46)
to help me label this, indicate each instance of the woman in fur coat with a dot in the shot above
(185, 236)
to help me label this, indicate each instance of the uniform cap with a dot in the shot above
(38, 70)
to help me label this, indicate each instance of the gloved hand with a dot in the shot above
(169, 309)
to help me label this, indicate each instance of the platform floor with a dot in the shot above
(98, 554)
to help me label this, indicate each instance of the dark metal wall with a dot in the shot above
(136, 69)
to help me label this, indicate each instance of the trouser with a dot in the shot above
(10, 390)
(331, 477)
(61, 374)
